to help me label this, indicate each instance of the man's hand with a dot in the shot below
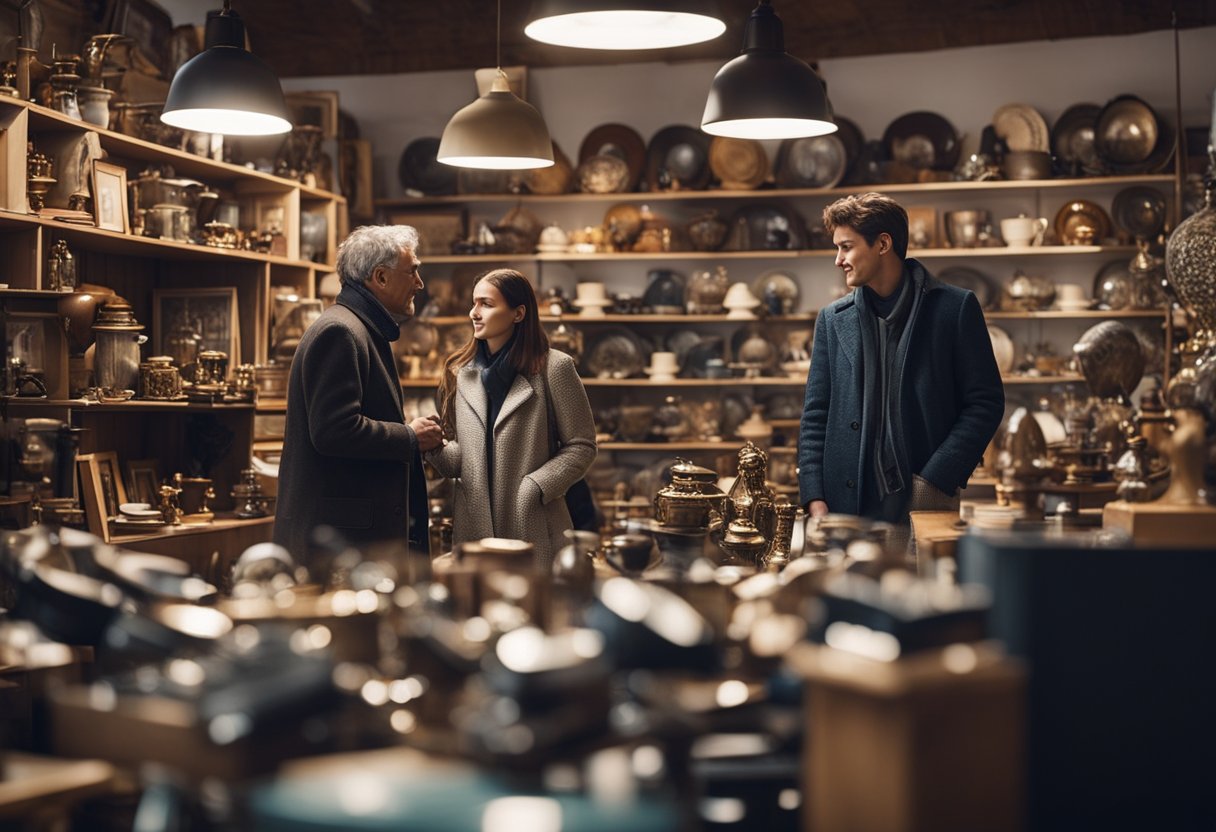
(816, 508)
(429, 433)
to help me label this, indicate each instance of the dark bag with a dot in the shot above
(579, 501)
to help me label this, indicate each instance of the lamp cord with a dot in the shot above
(498, 39)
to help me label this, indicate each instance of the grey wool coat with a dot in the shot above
(529, 484)
(950, 397)
(349, 460)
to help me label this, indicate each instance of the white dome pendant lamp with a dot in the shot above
(498, 131)
(622, 24)
(767, 93)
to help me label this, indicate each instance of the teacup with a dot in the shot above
(663, 366)
(1023, 231)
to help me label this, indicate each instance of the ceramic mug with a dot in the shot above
(1023, 231)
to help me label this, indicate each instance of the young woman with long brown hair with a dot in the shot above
(518, 421)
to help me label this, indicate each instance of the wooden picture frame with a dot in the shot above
(211, 312)
(92, 498)
(316, 108)
(147, 24)
(109, 474)
(437, 228)
(922, 226)
(110, 197)
(143, 481)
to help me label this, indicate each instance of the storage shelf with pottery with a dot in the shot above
(133, 267)
(811, 267)
(643, 318)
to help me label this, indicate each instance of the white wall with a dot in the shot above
(964, 85)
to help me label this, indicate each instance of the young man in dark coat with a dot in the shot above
(349, 459)
(904, 393)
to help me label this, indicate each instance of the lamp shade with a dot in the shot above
(226, 89)
(498, 131)
(766, 93)
(622, 24)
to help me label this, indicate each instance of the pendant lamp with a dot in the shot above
(622, 24)
(498, 131)
(226, 89)
(767, 93)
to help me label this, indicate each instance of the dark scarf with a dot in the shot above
(884, 329)
(497, 375)
(358, 298)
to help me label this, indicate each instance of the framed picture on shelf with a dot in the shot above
(143, 481)
(113, 491)
(92, 497)
(209, 313)
(315, 109)
(147, 24)
(110, 196)
(437, 228)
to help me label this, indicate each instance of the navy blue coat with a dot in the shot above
(951, 397)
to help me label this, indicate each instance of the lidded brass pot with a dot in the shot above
(692, 500)
(159, 379)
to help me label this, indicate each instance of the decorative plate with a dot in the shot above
(617, 140)
(1002, 348)
(1077, 215)
(853, 140)
(1022, 128)
(1126, 131)
(616, 353)
(1140, 211)
(1072, 139)
(681, 341)
(922, 140)
(680, 153)
(739, 164)
(814, 162)
(602, 174)
(419, 170)
(978, 282)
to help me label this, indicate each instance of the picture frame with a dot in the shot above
(922, 226)
(109, 474)
(147, 24)
(211, 312)
(143, 481)
(92, 498)
(110, 197)
(437, 228)
(317, 108)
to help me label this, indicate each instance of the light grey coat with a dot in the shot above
(529, 487)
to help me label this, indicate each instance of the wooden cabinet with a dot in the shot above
(135, 267)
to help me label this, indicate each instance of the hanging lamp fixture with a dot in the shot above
(225, 88)
(622, 24)
(498, 131)
(767, 93)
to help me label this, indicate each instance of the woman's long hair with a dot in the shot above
(529, 348)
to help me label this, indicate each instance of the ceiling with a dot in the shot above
(361, 37)
(355, 37)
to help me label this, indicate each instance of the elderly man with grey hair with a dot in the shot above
(349, 459)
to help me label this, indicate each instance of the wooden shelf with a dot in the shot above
(767, 381)
(1086, 313)
(787, 193)
(1068, 379)
(114, 242)
(131, 405)
(722, 446)
(574, 318)
(219, 524)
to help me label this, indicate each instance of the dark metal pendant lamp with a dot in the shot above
(225, 88)
(767, 93)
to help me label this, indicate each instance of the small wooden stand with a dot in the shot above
(1163, 524)
(932, 742)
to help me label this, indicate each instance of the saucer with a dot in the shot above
(741, 314)
(1081, 305)
(138, 510)
(592, 303)
(553, 248)
(659, 376)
